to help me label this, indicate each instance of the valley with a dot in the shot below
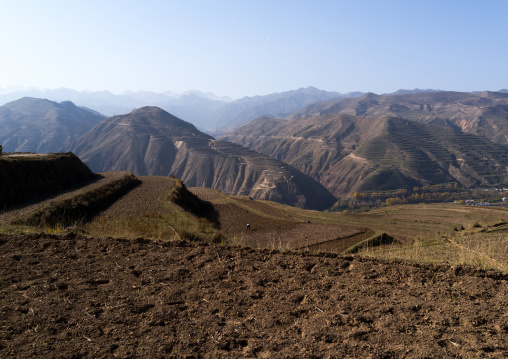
(150, 141)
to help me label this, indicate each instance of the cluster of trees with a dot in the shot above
(425, 194)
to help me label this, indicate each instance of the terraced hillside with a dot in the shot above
(117, 204)
(484, 114)
(350, 154)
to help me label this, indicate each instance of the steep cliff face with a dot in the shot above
(348, 154)
(150, 141)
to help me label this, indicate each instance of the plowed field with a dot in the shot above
(76, 297)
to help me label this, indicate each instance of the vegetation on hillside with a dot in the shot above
(362, 201)
(81, 208)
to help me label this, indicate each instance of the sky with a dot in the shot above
(254, 47)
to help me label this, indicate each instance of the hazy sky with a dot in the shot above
(239, 47)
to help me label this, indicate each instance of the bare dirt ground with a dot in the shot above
(145, 198)
(77, 297)
(272, 233)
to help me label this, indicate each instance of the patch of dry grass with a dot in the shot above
(480, 250)
(178, 225)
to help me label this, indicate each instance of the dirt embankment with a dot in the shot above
(23, 210)
(25, 176)
(98, 297)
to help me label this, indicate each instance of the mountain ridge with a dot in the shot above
(39, 125)
(150, 141)
(484, 113)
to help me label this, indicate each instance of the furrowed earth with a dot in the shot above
(78, 297)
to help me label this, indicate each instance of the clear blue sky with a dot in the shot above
(242, 48)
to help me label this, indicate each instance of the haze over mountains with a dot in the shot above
(150, 141)
(311, 140)
(36, 125)
(212, 114)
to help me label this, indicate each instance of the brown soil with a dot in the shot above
(143, 199)
(266, 232)
(341, 244)
(75, 297)
(206, 194)
(261, 207)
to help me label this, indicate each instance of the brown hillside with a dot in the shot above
(483, 114)
(39, 125)
(350, 154)
(150, 141)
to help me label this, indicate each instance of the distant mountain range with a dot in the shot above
(36, 125)
(150, 141)
(315, 145)
(211, 114)
(387, 142)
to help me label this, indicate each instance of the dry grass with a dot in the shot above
(430, 233)
(482, 250)
(176, 225)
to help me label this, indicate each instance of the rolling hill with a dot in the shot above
(350, 154)
(38, 125)
(150, 141)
